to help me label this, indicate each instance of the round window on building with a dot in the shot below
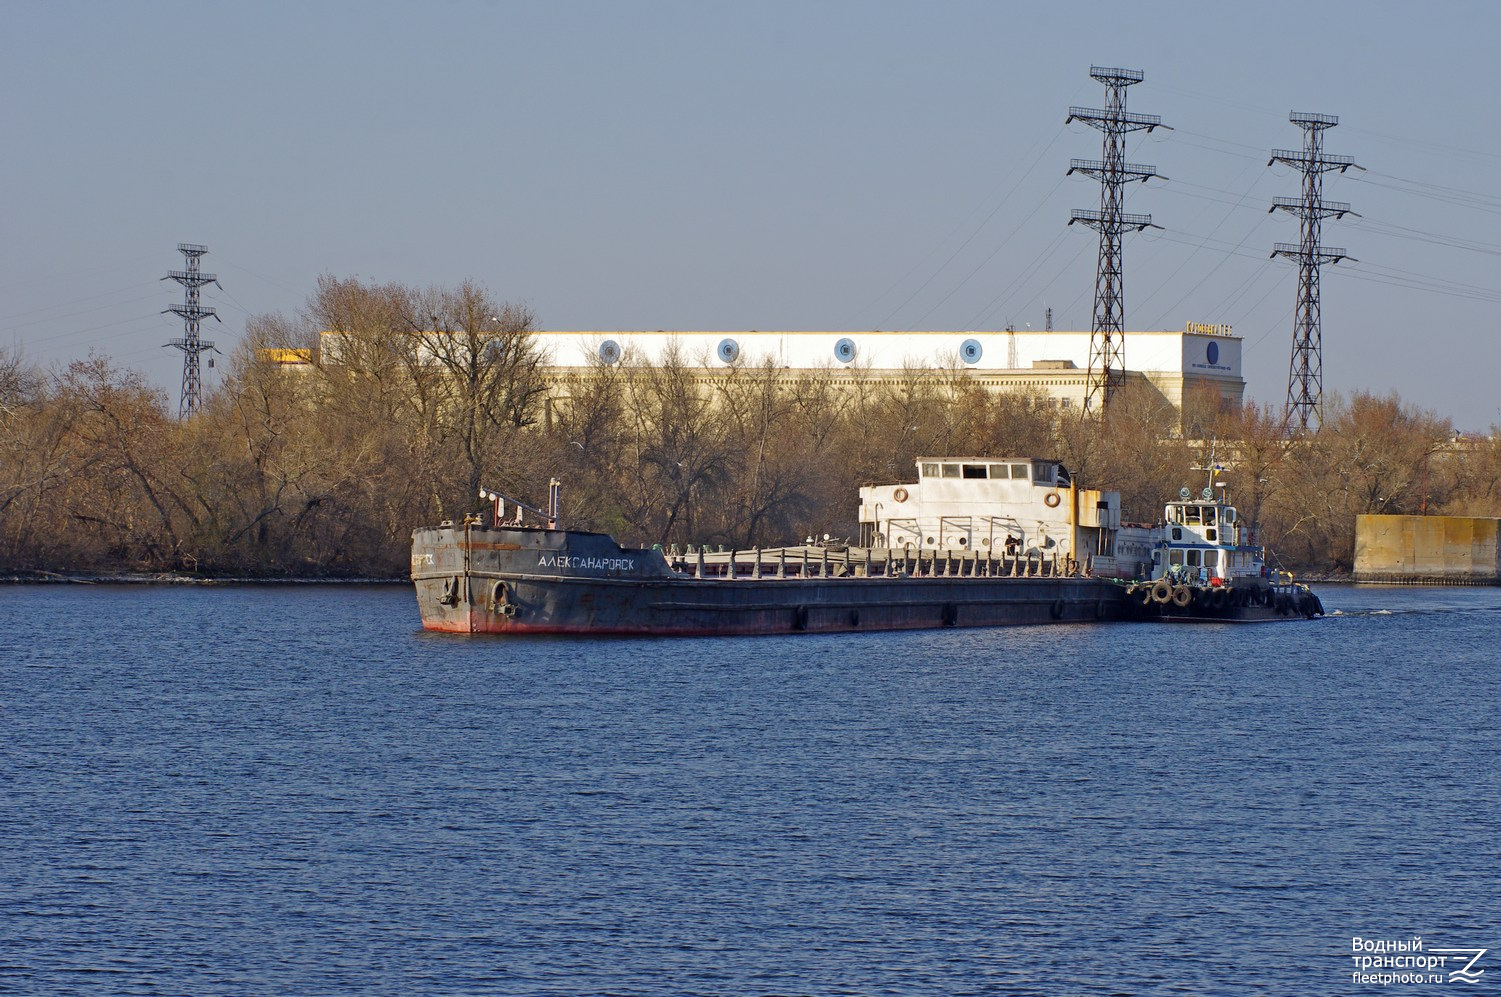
(729, 350)
(970, 351)
(844, 350)
(609, 352)
(1212, 353)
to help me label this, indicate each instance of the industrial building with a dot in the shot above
(1174, 363)
(1201, 359)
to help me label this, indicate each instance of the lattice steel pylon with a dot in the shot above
(192, 313)
(1305, 371)
(1107, 352)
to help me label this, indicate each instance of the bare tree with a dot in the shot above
(36, 463)
(491, 364)
(125, 438)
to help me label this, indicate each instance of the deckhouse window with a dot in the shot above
(1019, 473)
(1175, 556)
(974, 470)
(1191, 515)
(930, 470)
(1193, 558)
(1000, 472)
(951, 470)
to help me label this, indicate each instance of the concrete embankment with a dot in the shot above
(1428, 550)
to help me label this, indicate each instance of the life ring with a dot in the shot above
(1052, 500)
(900, 494)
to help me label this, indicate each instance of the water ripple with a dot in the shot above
(264, 790)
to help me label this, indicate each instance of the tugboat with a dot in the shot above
(1206, 566)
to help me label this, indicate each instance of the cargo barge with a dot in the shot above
(974, 542)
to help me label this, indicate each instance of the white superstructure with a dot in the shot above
(1003, 507)
(1205, 542)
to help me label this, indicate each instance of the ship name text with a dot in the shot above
(588, 563)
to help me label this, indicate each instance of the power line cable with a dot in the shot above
(978, 228)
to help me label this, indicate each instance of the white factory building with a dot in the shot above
(1175, 363)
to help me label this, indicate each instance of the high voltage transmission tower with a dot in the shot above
(1107, 354)
(192, 313)
(1305, 373)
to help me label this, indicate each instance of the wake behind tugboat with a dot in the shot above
(973, 542)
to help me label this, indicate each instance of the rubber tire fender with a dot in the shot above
(1182, 596)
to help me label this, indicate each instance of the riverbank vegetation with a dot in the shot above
(323, 469)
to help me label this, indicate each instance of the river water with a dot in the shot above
(294, 790)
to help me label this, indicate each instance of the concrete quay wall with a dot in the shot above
(1428, 550)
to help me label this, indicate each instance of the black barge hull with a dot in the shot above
(474, 579)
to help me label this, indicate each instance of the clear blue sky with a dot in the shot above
(763, 165)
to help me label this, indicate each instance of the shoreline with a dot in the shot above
(167, 578)
(58, 578)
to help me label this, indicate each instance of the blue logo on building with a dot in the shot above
(1212, 352)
